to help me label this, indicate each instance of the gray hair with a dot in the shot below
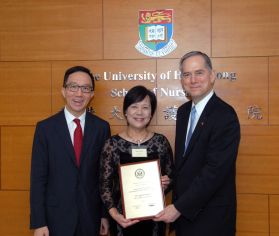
(207, 60)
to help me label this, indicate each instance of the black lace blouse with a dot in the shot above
(115, 152)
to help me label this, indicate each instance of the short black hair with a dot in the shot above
(137, 94)
(77, 69)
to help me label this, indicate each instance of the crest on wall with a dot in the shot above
(155, 31)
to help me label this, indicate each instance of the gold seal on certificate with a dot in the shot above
(139, 173)
(141, 189)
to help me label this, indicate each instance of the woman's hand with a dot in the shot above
(165, 181)
(120, 218)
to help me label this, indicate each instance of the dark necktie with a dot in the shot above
(193, 113)
(77, 140)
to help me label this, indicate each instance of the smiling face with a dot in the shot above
(77, 101)
(138, 114)
(196, 79)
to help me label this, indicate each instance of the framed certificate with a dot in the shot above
(141, 190)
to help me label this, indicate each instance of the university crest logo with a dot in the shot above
(155, 31)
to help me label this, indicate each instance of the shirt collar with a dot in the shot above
(201, 104)
(70, 117)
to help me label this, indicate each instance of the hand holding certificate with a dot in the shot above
(141, 189)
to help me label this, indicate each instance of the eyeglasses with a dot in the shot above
(74, 88)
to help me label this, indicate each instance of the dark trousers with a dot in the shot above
(78, 231)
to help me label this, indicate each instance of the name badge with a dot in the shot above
(139, 151)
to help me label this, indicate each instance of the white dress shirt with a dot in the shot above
(72, 125)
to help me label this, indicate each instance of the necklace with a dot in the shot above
(137, 141)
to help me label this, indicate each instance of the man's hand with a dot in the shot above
(120, 218)
(41, 231)
(168, 215)
(104, 226)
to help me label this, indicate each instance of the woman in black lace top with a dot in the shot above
(139, 106)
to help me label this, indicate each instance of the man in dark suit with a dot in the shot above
(206, 146)
(64, 194)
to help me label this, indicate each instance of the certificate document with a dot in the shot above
(141, 189)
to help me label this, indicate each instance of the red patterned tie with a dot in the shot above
(77, 140)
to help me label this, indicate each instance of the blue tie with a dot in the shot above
(193, 113)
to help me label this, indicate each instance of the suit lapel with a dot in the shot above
(88, 135)
(196, 132)
(199, 127)
(181, 137)
(62, 130)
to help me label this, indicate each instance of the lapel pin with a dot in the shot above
(202, 123)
